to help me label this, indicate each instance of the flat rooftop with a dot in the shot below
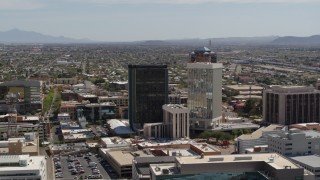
(231, 126)
(180, 152)
(312, 133)
(278, 162)
(206, 147)
(245, 87)
(125, 157)
(258, 133)
(33, 163)
(147, 144)
(292, 89)
(174, 106)
(311, 160)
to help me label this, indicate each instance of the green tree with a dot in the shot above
(226, 137)
(206, 135)
(264, 80)
(257, 109)
(230, 92)
(217, 135)
(235, 132)
(250, 104)
(98, 80)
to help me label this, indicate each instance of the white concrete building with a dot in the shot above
(310, 163)
(204, 94)
(23, 167)
(177, 118)
(295, 142)
(291, 105)
(257, 138)
(175, 123)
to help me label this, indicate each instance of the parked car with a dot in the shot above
(92, 164)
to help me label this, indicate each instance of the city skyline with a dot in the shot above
(110, 20)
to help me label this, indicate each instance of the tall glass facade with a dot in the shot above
(204, 81)
(148, 91)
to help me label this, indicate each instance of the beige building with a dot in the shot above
(259, 166)
(121, 159)
(246, 91)
(291, 105)
(28, 144)
(175, 123)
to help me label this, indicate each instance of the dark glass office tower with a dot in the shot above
(148, 91)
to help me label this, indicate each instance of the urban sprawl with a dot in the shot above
(135, 111)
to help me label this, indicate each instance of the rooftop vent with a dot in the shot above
(216, 159)
(243, 158)
(157, 168)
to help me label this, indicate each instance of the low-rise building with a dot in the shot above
(121, 102)
(63, 117)
(87, 97)
(255, 166)
(95, 112)
(68, 148)
(114, 142)
(23, 167)
(258, 137)
(306, 126)
(255, 90)
(69, 95)
(27, 144)
(179, 148)
(69, 107)
(118, 128)
(295, 142)
(16, 129)
(121, 160)
(310, 163)
(141, 166)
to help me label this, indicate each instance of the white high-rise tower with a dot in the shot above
(204, 89)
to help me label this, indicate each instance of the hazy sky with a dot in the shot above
(127, 20)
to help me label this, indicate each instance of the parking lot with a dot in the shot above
(78, 167)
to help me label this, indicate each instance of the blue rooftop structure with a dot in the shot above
(202, 49)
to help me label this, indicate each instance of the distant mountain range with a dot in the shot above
(20, 36)
(292, 40)
(227, 41)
